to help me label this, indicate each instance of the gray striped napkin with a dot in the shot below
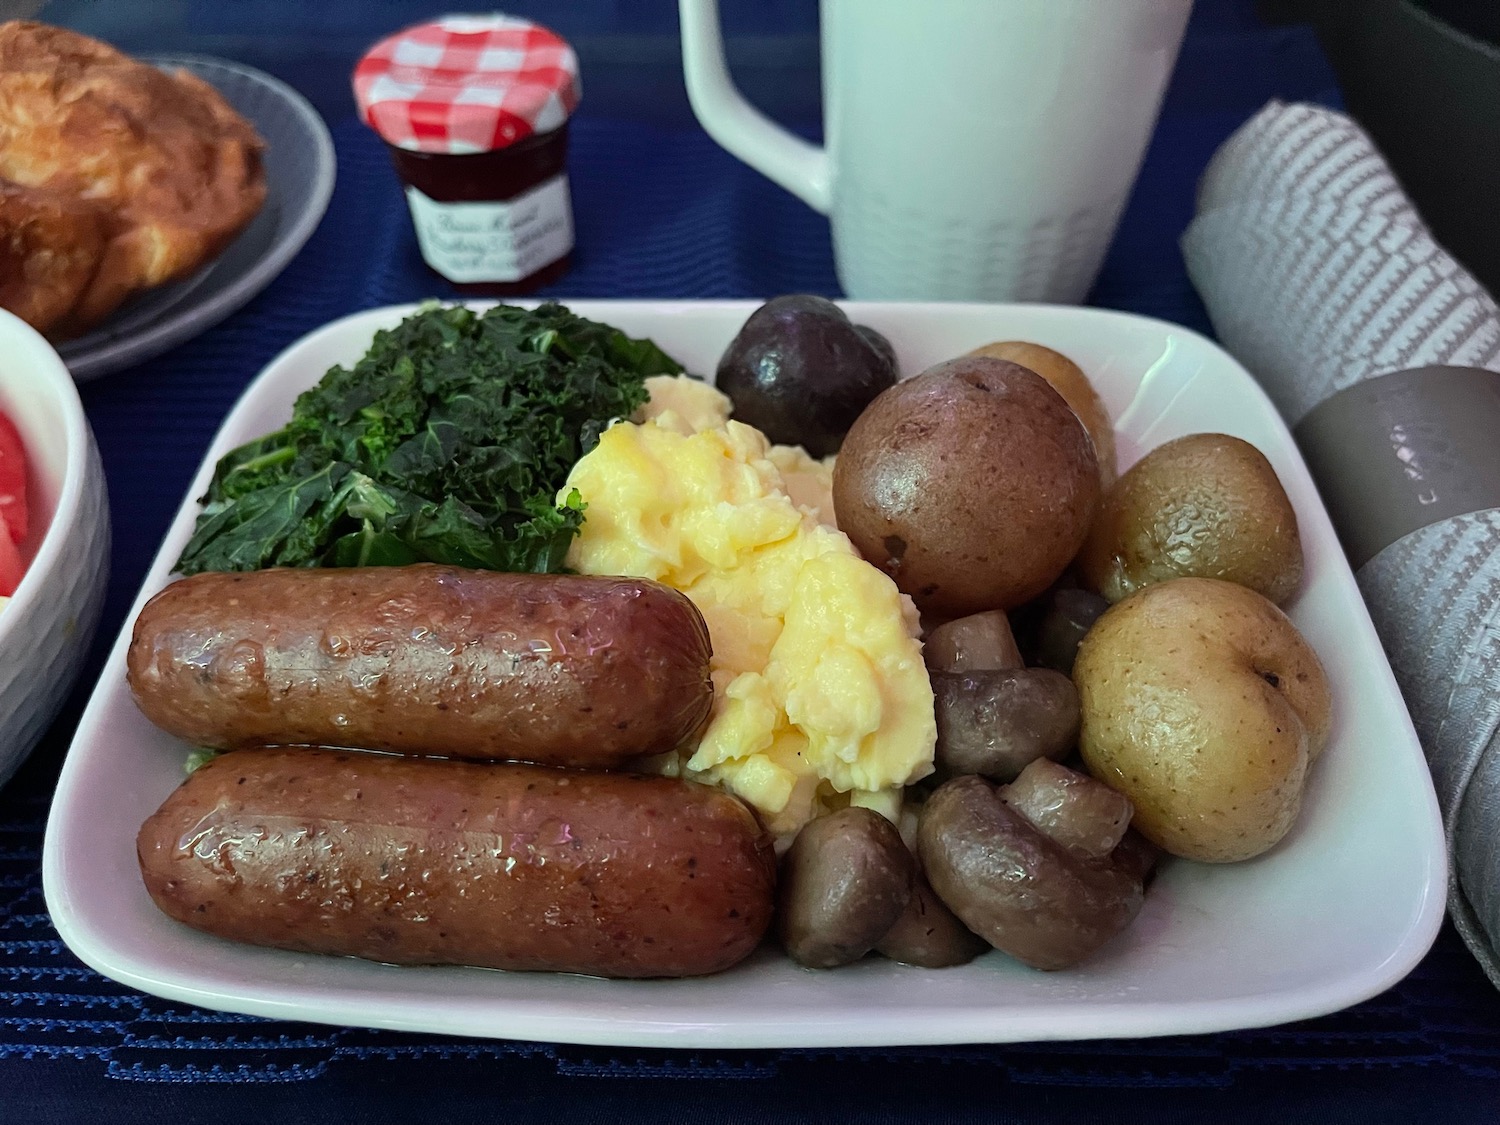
(1319, 275)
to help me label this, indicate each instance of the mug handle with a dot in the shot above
(802, 168)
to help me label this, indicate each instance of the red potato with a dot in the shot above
(562, 670)
(423, 861)
(972, 485)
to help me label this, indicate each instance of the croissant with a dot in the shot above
(114, 176)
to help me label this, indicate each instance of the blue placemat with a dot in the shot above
(662, 212)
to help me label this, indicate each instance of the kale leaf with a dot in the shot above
(448, 442)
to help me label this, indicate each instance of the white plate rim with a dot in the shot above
(592, 1024)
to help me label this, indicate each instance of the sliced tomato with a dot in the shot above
(11, 565)
(13, 480)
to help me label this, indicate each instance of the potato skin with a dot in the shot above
(563, 670)
(424, 861)
(972, 485)
(1204, 705)
(1202, 506)
(1068, 380)
(800, 372)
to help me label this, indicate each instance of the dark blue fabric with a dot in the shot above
(662, 212)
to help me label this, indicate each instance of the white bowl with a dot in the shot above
(46, 628)
(1343, 908)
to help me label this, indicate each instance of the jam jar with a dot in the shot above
(474, 111)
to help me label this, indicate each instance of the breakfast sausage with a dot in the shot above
(562, 670)
(424, 861)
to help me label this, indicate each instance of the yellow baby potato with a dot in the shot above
(1205, 706)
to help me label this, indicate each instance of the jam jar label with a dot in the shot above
(495, 241)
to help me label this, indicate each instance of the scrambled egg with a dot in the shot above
(821, 696)
(687, 406)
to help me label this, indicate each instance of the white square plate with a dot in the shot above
(1340, 910)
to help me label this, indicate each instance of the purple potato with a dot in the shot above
(801, 373)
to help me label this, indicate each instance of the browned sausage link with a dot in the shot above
(425, 861)
(563, 670)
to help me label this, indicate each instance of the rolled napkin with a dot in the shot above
(1384, 356)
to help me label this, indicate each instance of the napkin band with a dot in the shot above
(1398, 452)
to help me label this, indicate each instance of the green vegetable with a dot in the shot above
(447, 442)
(198, 758)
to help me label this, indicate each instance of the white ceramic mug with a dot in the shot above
(976, 149)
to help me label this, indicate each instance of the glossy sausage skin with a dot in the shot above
(561, 670)
(424, 861)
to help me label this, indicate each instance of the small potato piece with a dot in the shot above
(1066, 620)
(972, 485)
(1071, 807)
(800, 372)
(879, 343)
(1068, 380)
(977, 643)
(844, 883)
(1024, 893)
(1203, 506)
(1239, 709)
(998, 722)
(929, 934)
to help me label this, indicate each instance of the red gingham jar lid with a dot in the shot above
(466, 84)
